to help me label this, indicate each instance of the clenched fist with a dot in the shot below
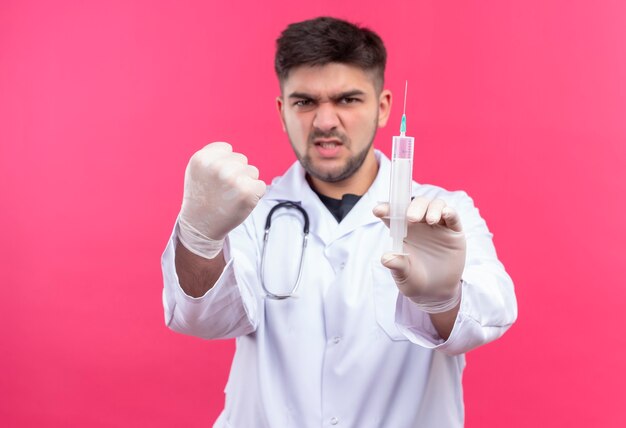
(221, 190)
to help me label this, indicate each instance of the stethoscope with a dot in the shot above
(268, 224)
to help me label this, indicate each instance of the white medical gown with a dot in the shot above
(349, 350)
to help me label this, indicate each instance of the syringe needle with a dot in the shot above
(406, 86)
(403, 123)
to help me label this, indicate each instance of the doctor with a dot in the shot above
(371, 338)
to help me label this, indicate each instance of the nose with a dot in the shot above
(326, 118)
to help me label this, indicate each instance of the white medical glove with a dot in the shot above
(221, 190)
(429, 272)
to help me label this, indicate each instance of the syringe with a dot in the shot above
(401, 179)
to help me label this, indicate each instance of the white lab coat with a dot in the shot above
(349, 350)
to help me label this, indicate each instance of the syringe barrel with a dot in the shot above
(402, 147)
(401, 183)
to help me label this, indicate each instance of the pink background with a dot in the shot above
(521, 103)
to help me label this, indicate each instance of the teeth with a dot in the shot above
(328, 145)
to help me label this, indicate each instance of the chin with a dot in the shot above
(335, 175)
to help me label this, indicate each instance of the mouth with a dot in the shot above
(328, 148)
(327, 144)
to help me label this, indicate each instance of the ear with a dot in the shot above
(384, 107)
(280, 107)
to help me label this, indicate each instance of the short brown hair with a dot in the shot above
(325, 40)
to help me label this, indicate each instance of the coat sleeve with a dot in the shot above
(227, 310)
(488, 304)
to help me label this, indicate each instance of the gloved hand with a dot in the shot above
(221, 190)
(429, 273)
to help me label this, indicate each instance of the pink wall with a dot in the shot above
(522, 104)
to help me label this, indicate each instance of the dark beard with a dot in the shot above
(353, 165)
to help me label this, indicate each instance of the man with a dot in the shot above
(370, 338)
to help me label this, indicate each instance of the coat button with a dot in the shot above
(336, 339)
(334, 421)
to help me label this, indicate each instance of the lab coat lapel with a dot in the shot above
(361, 215)
(293, 187)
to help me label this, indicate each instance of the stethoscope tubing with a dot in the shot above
(268, 225)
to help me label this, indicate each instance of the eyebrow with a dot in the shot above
(347, 94)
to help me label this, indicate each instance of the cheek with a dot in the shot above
(361, 123)
(296, 129)
(298, 125)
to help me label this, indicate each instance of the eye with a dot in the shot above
(303, 103)
(349, 100)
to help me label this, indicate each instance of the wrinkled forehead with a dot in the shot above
(330, 79)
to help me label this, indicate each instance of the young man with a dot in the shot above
(370, 338)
